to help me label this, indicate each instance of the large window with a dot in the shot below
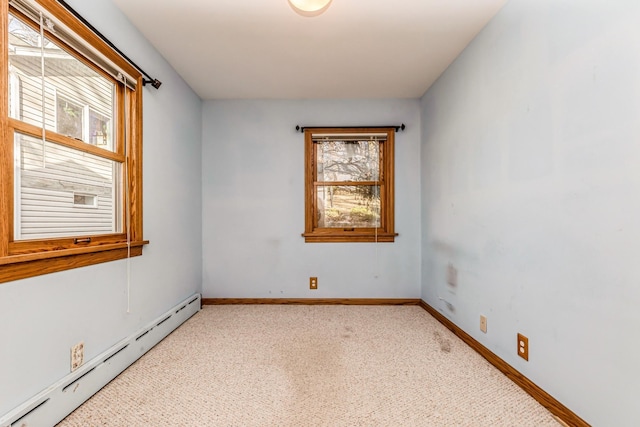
(70, 148)
(349, 185)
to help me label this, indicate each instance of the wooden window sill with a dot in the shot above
(346, 237)
(29, 265)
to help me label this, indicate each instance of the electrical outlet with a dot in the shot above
(313, 283)
(483, 323)
(523, 347)
(77, 356)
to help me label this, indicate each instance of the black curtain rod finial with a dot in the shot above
(155, 83)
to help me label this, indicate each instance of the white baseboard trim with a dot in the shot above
(60, 399)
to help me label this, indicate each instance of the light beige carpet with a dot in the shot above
(311, 366)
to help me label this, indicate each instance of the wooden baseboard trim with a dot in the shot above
(311, 301)
(560, 411)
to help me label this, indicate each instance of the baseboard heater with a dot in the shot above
(56, 402)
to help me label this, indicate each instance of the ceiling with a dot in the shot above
(227, 49)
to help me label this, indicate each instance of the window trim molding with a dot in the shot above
(23, 259)
(6, 149)
(386, 232)
(21, 267)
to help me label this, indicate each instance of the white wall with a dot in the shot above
(41, 318)
(253, 204)
(531, 188)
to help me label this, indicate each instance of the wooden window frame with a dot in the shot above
(383, 234)
(29, 258)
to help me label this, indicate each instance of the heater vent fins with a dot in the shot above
(15, 423)
(77, 379)
(164, 320)
(117, 352)
(137, 339)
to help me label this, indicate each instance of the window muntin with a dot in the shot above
(112, 109)
(349, 185)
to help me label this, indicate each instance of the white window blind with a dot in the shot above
(53, 26)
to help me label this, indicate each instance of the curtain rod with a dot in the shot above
(149, 80)
(398, 128)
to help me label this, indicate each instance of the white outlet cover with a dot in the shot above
(483, 323)
(77, 356)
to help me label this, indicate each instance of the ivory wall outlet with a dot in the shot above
(483, 323)
(77, 356)
(523, 347)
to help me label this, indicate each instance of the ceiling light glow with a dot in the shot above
(309, 7)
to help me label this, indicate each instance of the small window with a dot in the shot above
(69, 118)
(349, 185)
(99, 129)
(85, 200)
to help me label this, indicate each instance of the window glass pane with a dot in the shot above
(25, 75)
(348, 206)
(348, 160)
(55, 186)
(88, 95)
(78, 101)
